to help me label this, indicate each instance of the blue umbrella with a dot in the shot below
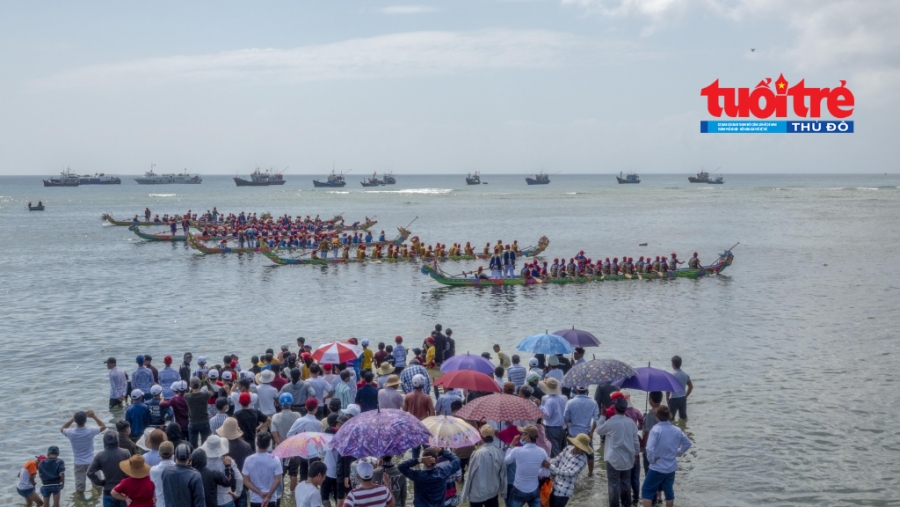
(468, 362)
(546, 344)
(651, 379)
(578, 337)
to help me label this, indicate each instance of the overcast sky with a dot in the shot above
(576, 86)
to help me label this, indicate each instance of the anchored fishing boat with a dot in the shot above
(334, 180)
(389, 179)
(719, 180)
(473, 180)
(261, 179)
(66, 179)
(434, 271)
(373, 181)
(151, 178)
(702, 177)
(630, 178)
(539, 179)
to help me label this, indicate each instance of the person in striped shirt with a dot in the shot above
(368, 494)
(516, 372)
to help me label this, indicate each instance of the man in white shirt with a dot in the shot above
(529, 460)
(308, 421)
(266, 393)
(307, 494)
(82, 439)
(166, 451)
(262, 473)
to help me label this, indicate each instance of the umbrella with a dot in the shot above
(546, 344)
(500, 407)
(468, 362)
(578, 337)
(651, 379)
(468, 379)
(597, 371)
(411, 371)
(451, 432)
(336, 352)
(304, 445)
(381, 432)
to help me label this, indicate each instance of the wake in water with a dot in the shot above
(162, 195)
(413, 191)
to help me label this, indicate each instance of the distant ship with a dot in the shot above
(718, 181)
(389, 179)
(473, 180)
(98, 179)
(372, 182)
(66, 179)
(630, 178)
(702, 177)
(334, 180)
(151, 178)
(539, 179)
(261, 179)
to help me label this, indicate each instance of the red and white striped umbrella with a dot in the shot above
(336, 352)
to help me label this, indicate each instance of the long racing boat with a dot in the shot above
(434, 271)
(160, 236)
(401, 237)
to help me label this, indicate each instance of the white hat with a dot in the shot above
(365, 471)
(351, 410)
(137, 393)
(533, 362)
(247, 374)
(285, 347)
(226, 375)
(266, 377)
(553, 361)
(364, 342)
(201, 360)
(532, 376)
(156, 390)
(179, 386)
(418, 380)
(215, 446)
(213, 374)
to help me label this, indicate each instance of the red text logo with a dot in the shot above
(763, 101)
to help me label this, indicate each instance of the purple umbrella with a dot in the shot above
(651, 379)
(578, 337)
(384, 432)
(468, 362)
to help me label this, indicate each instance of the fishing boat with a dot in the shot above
(334, 180)
(717, 181)
(702, 177)
(39, 207)
(98, 179)
(161, 236)
(629, 178)
(539, 179)
(473, 180)
(151, 178)
(261, 179)
(66, 179)
(389, 179)
(372, 182)
(434, 271)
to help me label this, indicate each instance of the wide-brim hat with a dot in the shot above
(265, 377)
(550, 386)
(392, 381)
(385, 368)
(582, 442)
(215, 447)
(135, 467)
(230, 429)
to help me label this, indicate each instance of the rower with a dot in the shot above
(134, 221)
(662, 263)
(607, 267)
(469, 250)
(381, 236)
(147, 214)
(173, 226)
(368, 237)
(487, 249)
(554, 268)
(694, 262)
(589, 268)
(325, 246)
(544, 270)
(346, 253)
(675, 262)
(655, 265)
(515, 246)
(570, 268)
(614, 267)
(580, 256)
(480, 275)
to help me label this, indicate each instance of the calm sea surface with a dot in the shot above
(793, 351)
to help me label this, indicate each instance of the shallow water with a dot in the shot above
(792, 350)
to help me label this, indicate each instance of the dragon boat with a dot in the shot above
(531, 251)
(128, 223)
(168, 237)
(434, 271)
(401, 237)
(196, 243)
(357, 227)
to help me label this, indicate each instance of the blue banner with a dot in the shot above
(777, 127)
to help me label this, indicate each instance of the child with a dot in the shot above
(53, 476)
(26, 485)
(306, 494)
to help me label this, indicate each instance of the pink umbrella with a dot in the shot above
(304, 445)
(500, 407)
(336, 352)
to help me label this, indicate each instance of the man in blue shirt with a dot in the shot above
(137, 415)
(430, 482)
(677, 401)
(665, 443)
(509, 263)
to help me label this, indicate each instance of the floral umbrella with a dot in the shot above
(451, 432)
(383, 432)
(500, 407)
(597, 371)
(304, 445)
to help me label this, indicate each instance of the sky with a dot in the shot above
(571, 86)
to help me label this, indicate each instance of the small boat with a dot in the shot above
(434, 271)
(151, 178)
(717, 181)
(39, 207)
(160, 236)
(473, 180)
(702, 177)
(66, 179)
(99, 179)
(539, 179)
(629, 178)
(389, 179)
(334, 180)
(261, 179)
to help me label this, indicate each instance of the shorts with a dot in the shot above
(293, 466)
(304, 467)
(329, 490)
(343, 491)
(25, 493)
(656, 481)
(50, 490)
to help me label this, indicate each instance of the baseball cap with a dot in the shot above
(110, 360)
(156, 390)
(244, 399)
(533, 376)
(312, 405)
(533, 361)
(365, 341)
(195, 382)
(364, 470)
(226, 375)
(418, 380)
(139, 359)
(137, 393)
(167, 360)
(285, 347)
(201, 360)
(213, 374)
(621, 404)
(52, 450)
(553, 361)
(351, 410)
(166, 450)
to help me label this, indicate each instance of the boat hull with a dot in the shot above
(169, 237)
(694, 179)
(532, 181)
(365, 184)
(623, 181)
(35, 208)
(51, 183)
(248, 183)
(96, 181)
(325, 184)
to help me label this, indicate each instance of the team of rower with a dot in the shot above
(502, 265)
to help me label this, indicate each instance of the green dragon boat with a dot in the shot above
(434, 271)
(272, 256)
(168, 237)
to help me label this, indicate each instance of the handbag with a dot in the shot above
(546, 489)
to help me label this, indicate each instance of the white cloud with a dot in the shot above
(395, 55)
(408, 9)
